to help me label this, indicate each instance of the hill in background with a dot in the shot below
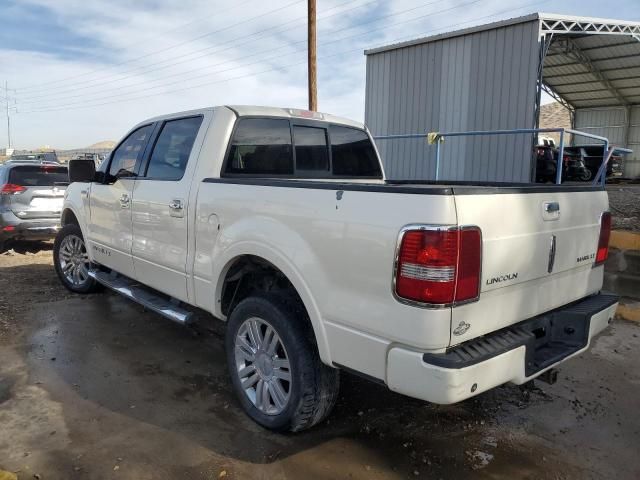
(104, 144)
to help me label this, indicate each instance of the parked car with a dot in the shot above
(40, 157)
(592, 155)
(30, 201)
(281, 223)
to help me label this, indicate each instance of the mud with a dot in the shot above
(93, 387)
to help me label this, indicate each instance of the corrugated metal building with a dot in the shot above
(491, 77)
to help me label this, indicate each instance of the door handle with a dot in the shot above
(552, 207)
(125, 201)
(176, 208)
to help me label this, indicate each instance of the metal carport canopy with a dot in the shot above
(591, 62)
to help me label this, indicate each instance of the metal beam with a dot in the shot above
(594, 60)
(573, 50)
(601, 70)
(557, 97)
(578, 26)
(596, 81)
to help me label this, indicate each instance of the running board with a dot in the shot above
(166, 307)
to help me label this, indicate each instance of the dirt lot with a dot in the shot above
(624, 202)
(95, 388)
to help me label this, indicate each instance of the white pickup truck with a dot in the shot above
(281, 223)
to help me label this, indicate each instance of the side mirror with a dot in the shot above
(81, 170)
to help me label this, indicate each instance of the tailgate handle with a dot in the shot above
(552, 207)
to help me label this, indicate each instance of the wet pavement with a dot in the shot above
(94, 387)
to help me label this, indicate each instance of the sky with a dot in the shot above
(84, 71)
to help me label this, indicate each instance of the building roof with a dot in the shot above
(591, 62)
(594, 70)
(560, 22)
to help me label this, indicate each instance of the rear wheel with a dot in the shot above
(71, 260)
(586, 175)
(275, 368)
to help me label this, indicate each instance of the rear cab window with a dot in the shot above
(289, 148)
(353, 154)
(261, 146)
(312, 150)
(38, 176)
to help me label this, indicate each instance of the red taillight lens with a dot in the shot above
(439, 266)
(469, 264)
(11, 189)
(603, 240)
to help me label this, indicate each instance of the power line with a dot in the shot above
(276, 68)
(262, 59)
(284, 67)
(71, 88)
(191, 40)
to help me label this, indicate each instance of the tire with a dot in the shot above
(311, 392)
(586, 175)
(70, 255)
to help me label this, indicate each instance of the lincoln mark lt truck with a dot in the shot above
(281, 223)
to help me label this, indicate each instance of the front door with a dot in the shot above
(110, 229)
(160, 206)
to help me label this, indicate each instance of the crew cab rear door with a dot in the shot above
(538, 251)
(160, 206)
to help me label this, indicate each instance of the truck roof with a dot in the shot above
(254, 110)
(251, 110)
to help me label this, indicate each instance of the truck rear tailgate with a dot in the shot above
(538, 251)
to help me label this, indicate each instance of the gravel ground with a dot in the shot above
(624, 202)
(94, 387)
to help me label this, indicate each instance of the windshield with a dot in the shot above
(38, 176)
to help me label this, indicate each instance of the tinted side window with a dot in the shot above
(172, 149)
(312, 154)
(261, 146)
(126, 158)
(352, 153)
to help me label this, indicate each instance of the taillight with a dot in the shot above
(603, 240)
(11, 189)
(439, 265)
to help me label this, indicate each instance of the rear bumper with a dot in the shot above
(516, 354)
(14, 228)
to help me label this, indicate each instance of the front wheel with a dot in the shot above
(71, 260)
(275, 368)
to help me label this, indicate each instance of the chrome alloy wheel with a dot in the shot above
(263, 366)
(74, 260)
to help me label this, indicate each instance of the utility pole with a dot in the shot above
(312, 64)
(6, 99)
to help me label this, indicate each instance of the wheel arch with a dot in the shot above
(280, 264)
(68, 216)
(71, 216)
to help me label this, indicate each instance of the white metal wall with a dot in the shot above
(479, 81)
(619, 125)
